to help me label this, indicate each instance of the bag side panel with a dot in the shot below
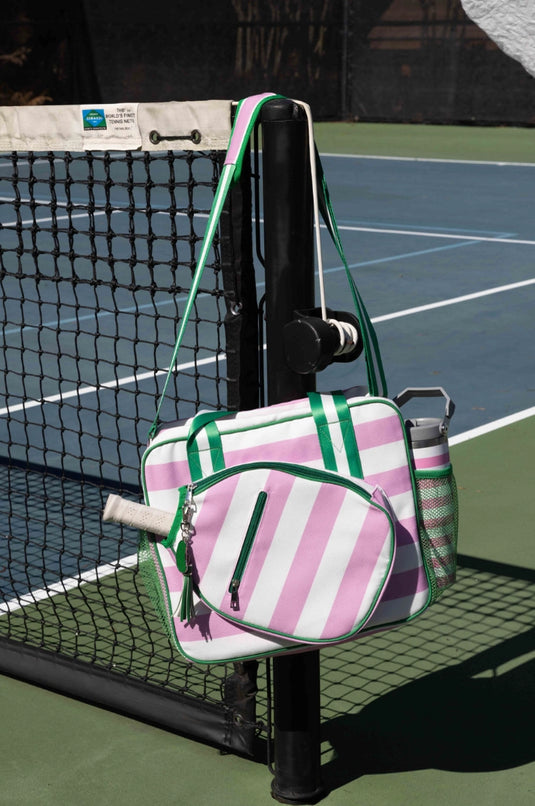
(385, 459)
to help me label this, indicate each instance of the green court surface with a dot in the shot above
(440, 711)
(507, 144)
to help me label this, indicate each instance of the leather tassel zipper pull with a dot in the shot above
(183, 558)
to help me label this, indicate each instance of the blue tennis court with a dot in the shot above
(442, 251)
(443, 254)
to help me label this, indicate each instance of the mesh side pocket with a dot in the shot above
(437, 502)
(154, 584)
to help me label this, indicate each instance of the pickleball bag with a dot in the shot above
(297, 525)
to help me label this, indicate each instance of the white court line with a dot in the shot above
(498, 163)
(115, 384)
(495, 425)
(447, 236)
(453, 300)
(67, 584)
(130, 561)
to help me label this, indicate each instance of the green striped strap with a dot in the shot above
(324, 431)
(205, 422)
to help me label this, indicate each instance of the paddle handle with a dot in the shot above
(148, 519)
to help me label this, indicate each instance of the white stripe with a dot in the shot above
(165, 499)
(335, 434)
(408, 558)
(403, 505)
(205, 455)
(332, 568)
(54, 218)
(439, 451)
(368, 412)
(391, 456)
(271, 434)
(168, 560)
(238, 644)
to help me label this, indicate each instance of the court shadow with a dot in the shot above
(466, 718)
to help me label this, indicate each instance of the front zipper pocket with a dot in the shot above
(246, 549)
(292, 551)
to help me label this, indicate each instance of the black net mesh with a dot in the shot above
(96, 258)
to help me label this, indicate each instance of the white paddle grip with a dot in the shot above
(149, 519)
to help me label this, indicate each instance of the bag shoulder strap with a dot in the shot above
(246, 116)
(374, 365)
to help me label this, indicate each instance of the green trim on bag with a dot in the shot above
(205, 422)
(247, 544)
(348, 435)
(322, 427)
(177, 521)
(346, 428)
(155, 583)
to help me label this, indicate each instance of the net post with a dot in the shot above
(289, 264)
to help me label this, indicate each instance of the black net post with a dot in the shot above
(289, 264)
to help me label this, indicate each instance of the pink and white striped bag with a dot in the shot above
(301, 524)
(351, 524)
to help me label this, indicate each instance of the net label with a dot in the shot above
(94, 119)
(111, 122)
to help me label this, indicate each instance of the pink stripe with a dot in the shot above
(301, 450)
(209, 522)
(377, 433)
(166, 476)
(246, 110)
(364, 559)
(431, 462)
(317, 533)
(393, 482)
(408, 583)
(406, 531)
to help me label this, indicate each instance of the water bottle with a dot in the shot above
(428, 436)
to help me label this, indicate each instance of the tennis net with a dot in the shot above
(102, 211)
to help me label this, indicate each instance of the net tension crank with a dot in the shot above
(312, 341)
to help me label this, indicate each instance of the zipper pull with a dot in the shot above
(234, 598)
(188, 510)
(183, 558)
(187, 610)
